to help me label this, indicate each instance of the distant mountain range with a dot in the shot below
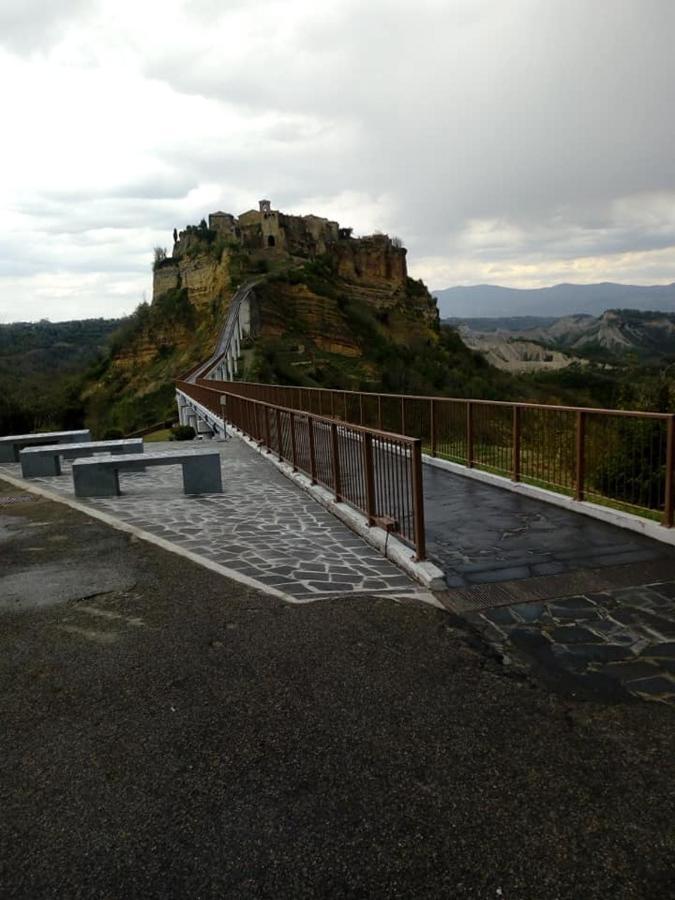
(560, 300)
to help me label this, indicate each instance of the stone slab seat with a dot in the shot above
(38, 462)
(99, 477)
(12, 444)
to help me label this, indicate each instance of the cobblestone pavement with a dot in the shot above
(480, 534)
(612, 643)
(262, 526)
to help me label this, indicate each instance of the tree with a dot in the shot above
(160, 256)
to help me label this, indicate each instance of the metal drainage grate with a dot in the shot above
(19, 498)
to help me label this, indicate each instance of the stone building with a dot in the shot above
(268, 229)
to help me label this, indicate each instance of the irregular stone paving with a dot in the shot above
(611, 643)
(262, 526)
(479, 534)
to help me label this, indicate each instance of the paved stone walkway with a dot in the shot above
(609, 643)
(480, 534)
(262, 526)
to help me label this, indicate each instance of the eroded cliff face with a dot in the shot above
(344, 320)
(205, 277)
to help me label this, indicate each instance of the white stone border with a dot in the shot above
(625, 520)
(426, 573)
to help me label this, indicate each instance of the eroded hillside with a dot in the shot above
(327, 309)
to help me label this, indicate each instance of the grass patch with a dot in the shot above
(164, 434)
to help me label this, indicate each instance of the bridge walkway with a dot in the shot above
(589, 604)
(481, 534)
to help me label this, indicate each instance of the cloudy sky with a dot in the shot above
(518, 142)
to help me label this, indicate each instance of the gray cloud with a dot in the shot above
(27, 25)
(491, 135)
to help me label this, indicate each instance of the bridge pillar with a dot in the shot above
(183, 410)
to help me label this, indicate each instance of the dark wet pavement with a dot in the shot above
(480, 534)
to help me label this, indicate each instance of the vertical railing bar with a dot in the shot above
(516, 443)
(580, 456)
(369, 476)
(469, 434)
(312, 454)
(670, 462)
(418, 500)
(294, 450)
(280, 455)
(337, 481)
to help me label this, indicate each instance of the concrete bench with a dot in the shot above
(38, 462)
(12, 444)
(100, 477)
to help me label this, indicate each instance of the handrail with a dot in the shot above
(624, 459)
(509, 403)
(376, 471)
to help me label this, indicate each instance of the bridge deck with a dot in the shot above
(593, 603)
(480, 534)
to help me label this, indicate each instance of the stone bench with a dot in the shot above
(12, 444)
(100, 477)
(38, 462)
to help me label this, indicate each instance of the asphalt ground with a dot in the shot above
(166, 733)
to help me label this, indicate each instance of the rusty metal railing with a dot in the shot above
(377, 472)
(622, 459)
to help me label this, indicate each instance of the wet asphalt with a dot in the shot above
(167, 733)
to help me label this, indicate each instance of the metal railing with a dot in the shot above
(622, 459)
(377, 472)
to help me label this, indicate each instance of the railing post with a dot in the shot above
(268, 438)
(402, 415)
(337, 481)
(360, 408)
(580, 455)
(379, 411)
(516, 443)
(312, 454)
(369, 477)
(294, 450)
(432, 425)
(670, 462)
(280, 455)
(332, 404)
(344, 397)
(469, 434)
(418, 500)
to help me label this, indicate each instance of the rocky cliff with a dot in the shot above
(329, 308)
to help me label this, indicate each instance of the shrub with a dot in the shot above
(113, 434)
(183, 433)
